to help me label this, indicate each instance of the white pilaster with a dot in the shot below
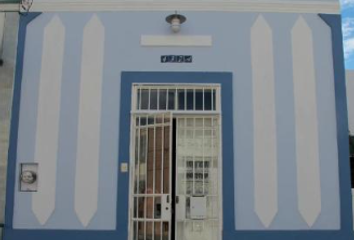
(88, 143)
(306, 121)
(47, 132)
(265, 142)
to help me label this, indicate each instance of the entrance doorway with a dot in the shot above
(176, 162)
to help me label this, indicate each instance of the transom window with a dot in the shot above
(177, 97)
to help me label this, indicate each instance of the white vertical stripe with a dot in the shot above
(88, 145)
(307, 156)
(265, 150)
(43, 201)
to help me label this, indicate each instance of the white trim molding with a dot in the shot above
(228, 6)
(175, 41)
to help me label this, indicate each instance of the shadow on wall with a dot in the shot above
(351, 144)
(8, 43)
(350, 101)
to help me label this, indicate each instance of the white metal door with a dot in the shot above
(197, 178)
(151, 188)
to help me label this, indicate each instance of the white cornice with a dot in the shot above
(228, 6)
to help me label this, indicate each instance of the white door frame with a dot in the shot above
(173, 114)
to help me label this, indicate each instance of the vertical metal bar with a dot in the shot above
(176, 172)
(136, 97)
(193, 154)
(139, 103)
(138, 177)
(176, 99)
(163, 152)
(153, 223)
(162, 170)
(133, 151)
(185, 167)
(141, 92)
(138, 159)
(154, 174)
(203, 155)
(215, 151)
(218, 103)
(146, 172)
(170, 170)
(158, 98)
(184, 157)
(212, 99)
(167, 107)
(185, 99)
(213, 162)
(194, 99)
(154, 156)
(203, 99)
(149, 100)
(154, 180)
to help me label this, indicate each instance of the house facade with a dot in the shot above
(179, 120)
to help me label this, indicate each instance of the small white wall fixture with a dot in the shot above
(175, 41)
(88, 143)
(47, 132)
(306, 122)
(264, 122)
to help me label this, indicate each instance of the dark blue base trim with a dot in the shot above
(64, 235)
(286, 235)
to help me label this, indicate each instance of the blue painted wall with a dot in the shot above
(230, 53)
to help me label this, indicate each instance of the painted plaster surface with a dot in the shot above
(230, 52)
(350, 97)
